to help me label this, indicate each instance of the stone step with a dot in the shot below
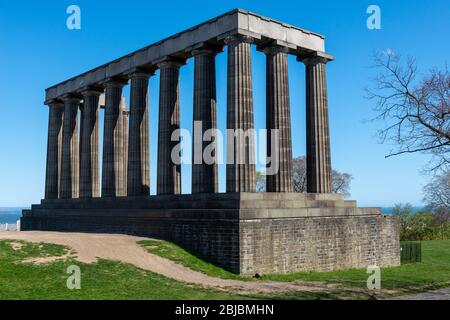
(250, 214)
(217, 197)
(208, 214)
(151, 203)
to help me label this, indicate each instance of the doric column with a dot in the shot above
(278, 118)
(204, 175)
(318, 164)
(240, 144)
(138, 183)
(54, 141)
(69, 186)
(114, 152)
(89, 145)
(169, 172)
(124, 121)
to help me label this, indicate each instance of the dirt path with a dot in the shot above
(442, 294)
(89, 247)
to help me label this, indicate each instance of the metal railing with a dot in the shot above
(10, 226)
(410, 252)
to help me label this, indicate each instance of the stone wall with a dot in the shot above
(244, 233)
(318, 244)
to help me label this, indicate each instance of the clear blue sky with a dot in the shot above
(37, 51)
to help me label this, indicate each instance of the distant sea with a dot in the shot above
(10, 215)
(389, 210)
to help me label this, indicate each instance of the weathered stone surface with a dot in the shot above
(204, 175)
(138, 177)
(69, 186)
(169, 172)
(278, 118)
(235, 22)
(318, 243)
(318, 162)
(89, 146)
(240, 147)
(243, 232)
(54, 148)
(125, 121)
(114, 143)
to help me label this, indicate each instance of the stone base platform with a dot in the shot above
(242, 232)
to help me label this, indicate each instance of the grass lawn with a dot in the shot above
(115, 280)
(432, 272)
(102, 280)
(176, 253)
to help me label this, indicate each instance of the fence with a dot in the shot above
(411, 252)
(10, 226)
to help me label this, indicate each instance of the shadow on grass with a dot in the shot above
(432, 273)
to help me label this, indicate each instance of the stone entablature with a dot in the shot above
(214, 31)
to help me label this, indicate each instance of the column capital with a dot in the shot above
(70, 97)
(272, 49)
(206, 49)
(315, 58)
(54, 103)
(91, 91)
(114, 82)
(171, 62)
(238, 38)
(140, 73)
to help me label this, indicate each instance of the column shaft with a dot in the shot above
(240, 144)
(89, 146)
(124, 122)
(279, 145)
(69, 187)
(169, 172)
(318, 163)
(138, 183)
(204, 175)
(53, 165)
(113, 168)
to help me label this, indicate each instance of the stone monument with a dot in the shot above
(277, 231)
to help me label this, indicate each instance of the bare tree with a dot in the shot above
(341, 183)
(437, 197)
(437, 192)
(260, 182)
(340, 180)
(442, 219)
(299, 174)
(416, 111)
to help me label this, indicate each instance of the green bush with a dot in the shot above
(421, 225)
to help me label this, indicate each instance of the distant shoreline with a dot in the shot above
(11, 209)
(10, 215)
(389, 210)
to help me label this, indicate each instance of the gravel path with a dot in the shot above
(442, 294)
(89, 247)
